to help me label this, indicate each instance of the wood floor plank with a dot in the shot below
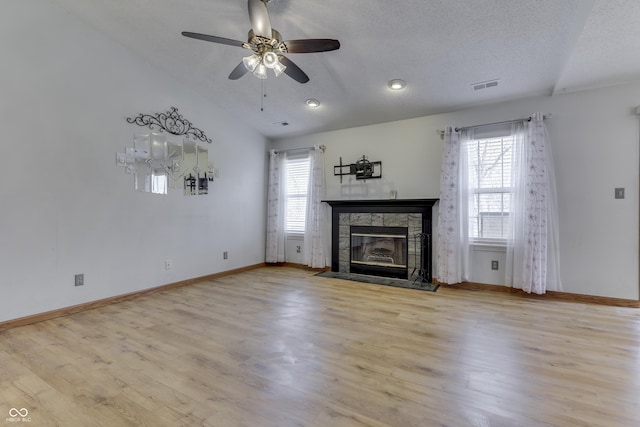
(279, 346)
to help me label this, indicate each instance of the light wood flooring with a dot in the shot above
(278, 346)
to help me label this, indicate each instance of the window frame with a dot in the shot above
(301, 194)
(475, 222)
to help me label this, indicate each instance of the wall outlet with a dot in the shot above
(298, 249)
(121, 159)
(225, 255)
(79, 280)
(168, 264)
(494, 265)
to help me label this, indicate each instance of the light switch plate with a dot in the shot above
(619, 193)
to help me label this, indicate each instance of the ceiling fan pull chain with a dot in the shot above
(263, 93)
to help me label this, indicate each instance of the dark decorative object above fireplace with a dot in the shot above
(413, 214)
(362, 169)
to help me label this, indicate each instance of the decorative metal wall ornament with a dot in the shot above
(171, 122)
(362, 169)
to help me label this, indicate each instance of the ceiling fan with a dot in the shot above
(268, 47)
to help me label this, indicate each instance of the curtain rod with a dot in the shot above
(458, 129)
(545, 116)
(322, 148)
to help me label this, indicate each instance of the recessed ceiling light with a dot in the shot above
(396, 84)
(313, 103)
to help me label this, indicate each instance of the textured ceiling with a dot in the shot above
(440, 47)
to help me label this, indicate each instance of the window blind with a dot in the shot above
(297, 185)
(490, 161)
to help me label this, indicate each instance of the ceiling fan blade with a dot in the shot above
(293, 70)
(214, 39)
(311, 45)
(238, 72)
(259, 17)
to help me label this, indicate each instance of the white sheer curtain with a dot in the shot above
(533, 242)
(276, 215)
(533, 260)
(314, 254)
(452, 258)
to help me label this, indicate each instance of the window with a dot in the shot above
(297, 175)
(490, 161)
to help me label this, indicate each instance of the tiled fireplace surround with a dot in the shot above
(415, 214)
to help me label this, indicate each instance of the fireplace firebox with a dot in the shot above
(380, 251)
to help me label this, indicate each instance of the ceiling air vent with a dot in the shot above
(485, 85)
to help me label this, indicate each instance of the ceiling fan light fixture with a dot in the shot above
(396, 84)
(270, 60)
(279, 68)
(312, 102)
(251, 62)
(260, 71)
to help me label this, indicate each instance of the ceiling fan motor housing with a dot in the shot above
(261, 44)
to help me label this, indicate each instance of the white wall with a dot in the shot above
(66, 208)
(594, 137)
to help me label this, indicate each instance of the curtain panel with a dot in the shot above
(533, 260)
(452, 253)
(314, 250)
(276, 215)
